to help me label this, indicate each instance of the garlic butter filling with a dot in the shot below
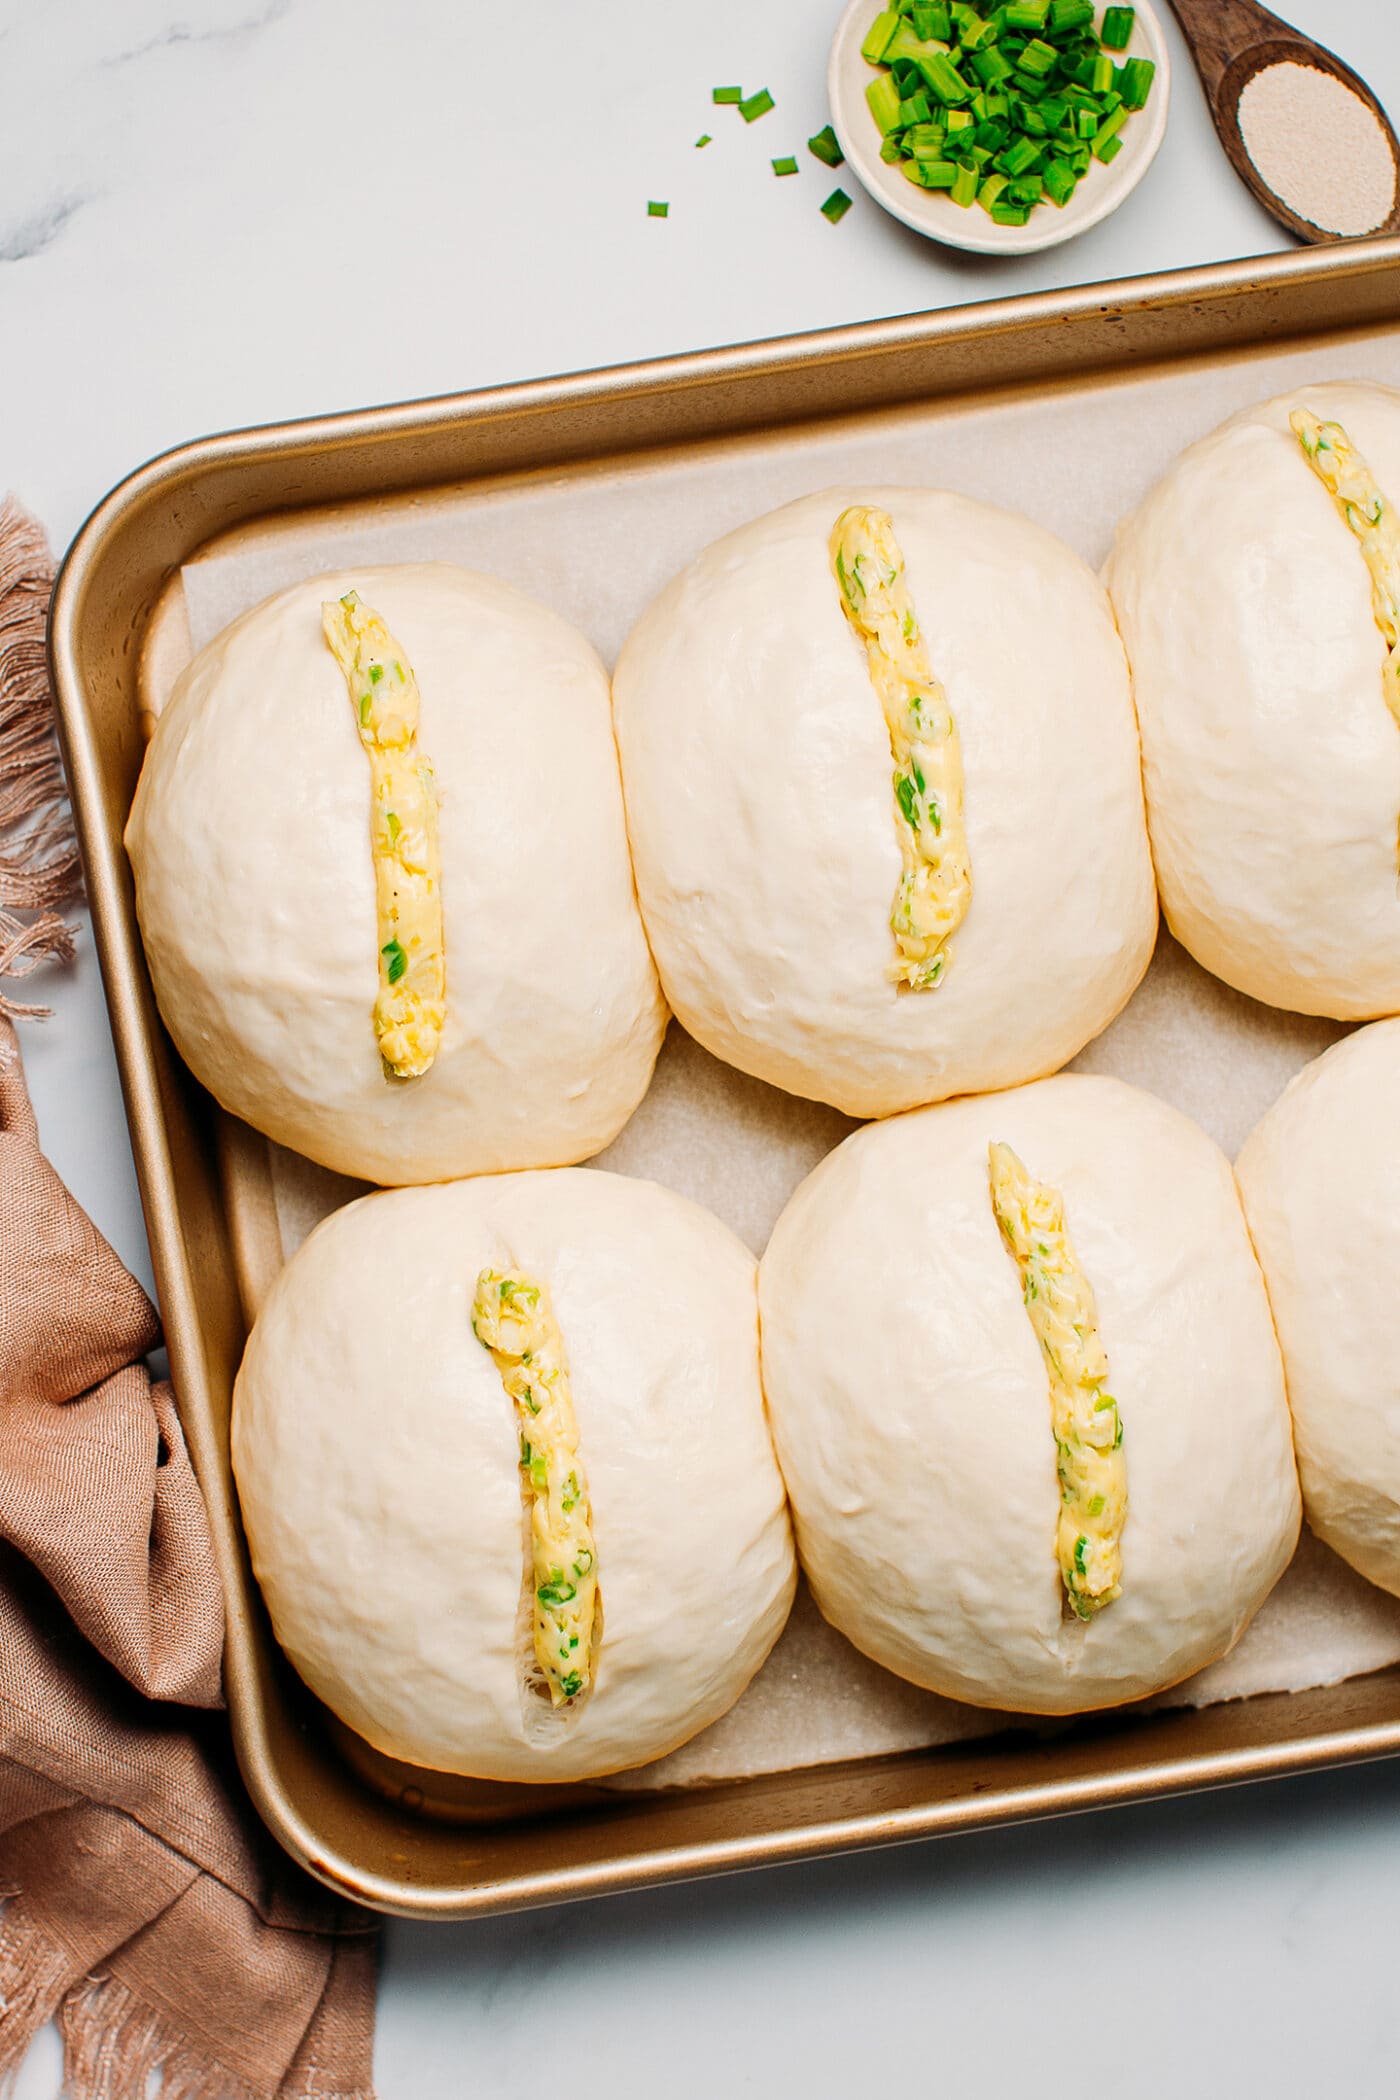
(1358, 496)
(411, 1005)
(935, 885)
(1088, 1429)
(512, 1318)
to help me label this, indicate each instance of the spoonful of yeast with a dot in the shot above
(1300, 128)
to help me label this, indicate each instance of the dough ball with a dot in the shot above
(911, 1403)
(250, 838)
(377, 1455)
(757, 768)
(1271, 758)
(1320, 1178)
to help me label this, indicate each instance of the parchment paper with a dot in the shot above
(596, 543)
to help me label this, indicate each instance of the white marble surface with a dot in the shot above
(186, 196)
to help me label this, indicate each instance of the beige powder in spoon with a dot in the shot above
(1319, 147)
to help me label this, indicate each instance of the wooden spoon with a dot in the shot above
(1231, 41)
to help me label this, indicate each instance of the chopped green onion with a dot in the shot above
(932, 174)
(877, 41)
(1004, 105)
(944, 78)
(1109, 129)
(883, 97)
(704, 139)
(826, 147)
(1040, 59)
(1021, 158)
(786, 166)
(926, 141)
(907, 47)
(655, 210)
(991, 66)
(756, 106)
(836, 206)
(396, 956)
(1061, 182)
(1136, 84)
(728, 94)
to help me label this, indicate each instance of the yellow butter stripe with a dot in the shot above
(935, 885)
(412, 1001)
(1084, 1416)
(513, 1319)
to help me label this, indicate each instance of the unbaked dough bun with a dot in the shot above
(250, 841)
(1320, 1178)
(758, 775)
(911, 1411)
(1271, 759)
(377, 1458)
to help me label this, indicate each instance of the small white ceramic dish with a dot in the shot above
(933, 212)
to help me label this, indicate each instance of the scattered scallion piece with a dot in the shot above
(727, 94)
(754, 106)
(826, 147)
(704, 139)
(1117, 31)
(785, 166)
(656, 210)
(836, 206)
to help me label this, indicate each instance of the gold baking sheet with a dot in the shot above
(1065, 407)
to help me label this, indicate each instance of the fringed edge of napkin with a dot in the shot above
(114, 2044)
(34, 1975)
(39, 867)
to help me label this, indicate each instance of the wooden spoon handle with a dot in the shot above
(1219, 30)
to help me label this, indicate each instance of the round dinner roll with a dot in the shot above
(1271, 757)
(1320, 1178)
(250, 837)
(760, 782)
(387, 1497)
(911, 1402)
